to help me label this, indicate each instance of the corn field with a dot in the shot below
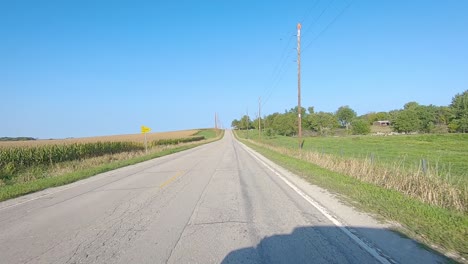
(114, 138)
(33, 157)
(15, 158)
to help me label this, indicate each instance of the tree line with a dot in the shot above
(414, 117)
(16, 138)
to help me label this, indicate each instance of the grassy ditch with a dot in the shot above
(446, 155)
(446, 228)
(395, 166)
(40, 177)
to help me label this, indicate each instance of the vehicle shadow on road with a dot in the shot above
(329, 244)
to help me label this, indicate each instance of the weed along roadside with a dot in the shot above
(428, 207)
(27, 169)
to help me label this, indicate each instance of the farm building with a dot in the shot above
(382, 123)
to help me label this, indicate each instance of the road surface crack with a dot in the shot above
(222, 222)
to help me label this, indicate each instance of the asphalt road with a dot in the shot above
(213, 204)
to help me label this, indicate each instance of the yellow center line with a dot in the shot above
(179, 173)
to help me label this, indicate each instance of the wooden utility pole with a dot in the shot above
(216, 120)
(248, 123)
(259, 119)
(299, 83)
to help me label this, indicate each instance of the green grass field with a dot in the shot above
(448, 153)
(438, 227)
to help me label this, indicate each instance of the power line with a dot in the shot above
(280, 68)
(319, 16)
(328, 26)
(278, 71)
(308, 13)
(283, 54)
(278, 80)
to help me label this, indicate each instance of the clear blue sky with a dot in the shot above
(86, 68)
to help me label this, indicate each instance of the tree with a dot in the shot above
(345, 115)
(294, 110)
(410, 105)
(459, 107)
(443, 115)
(322, 122)
(393, 114)
(245, 122)
(463, 123)
(269, 120)
(255, 123)
(285, 124)
(406, 121)
(360, 127)
(303, 116)
(235, 123)
(427, 116)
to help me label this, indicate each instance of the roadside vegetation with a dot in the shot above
(26, 168)
(408, 165)
(442, 227)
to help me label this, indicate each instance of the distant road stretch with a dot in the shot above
(212, 204)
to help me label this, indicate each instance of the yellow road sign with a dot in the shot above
(145, 129)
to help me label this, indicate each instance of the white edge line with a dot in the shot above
(321, 209)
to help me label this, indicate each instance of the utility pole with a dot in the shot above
(248, 123)
(216, 120)
(299, 83)
(259, 119)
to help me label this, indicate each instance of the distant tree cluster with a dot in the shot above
(244, 123)
(431, 119)
(286, 124)
(412, 118)
(16, 138)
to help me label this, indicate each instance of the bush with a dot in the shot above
(269, 132)
(360, 127)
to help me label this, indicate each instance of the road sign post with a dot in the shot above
(145, 130)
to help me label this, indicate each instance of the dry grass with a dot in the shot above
(140, 138)
(428, 187)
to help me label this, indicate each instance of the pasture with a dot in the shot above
(445, 154)
(431, 168)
